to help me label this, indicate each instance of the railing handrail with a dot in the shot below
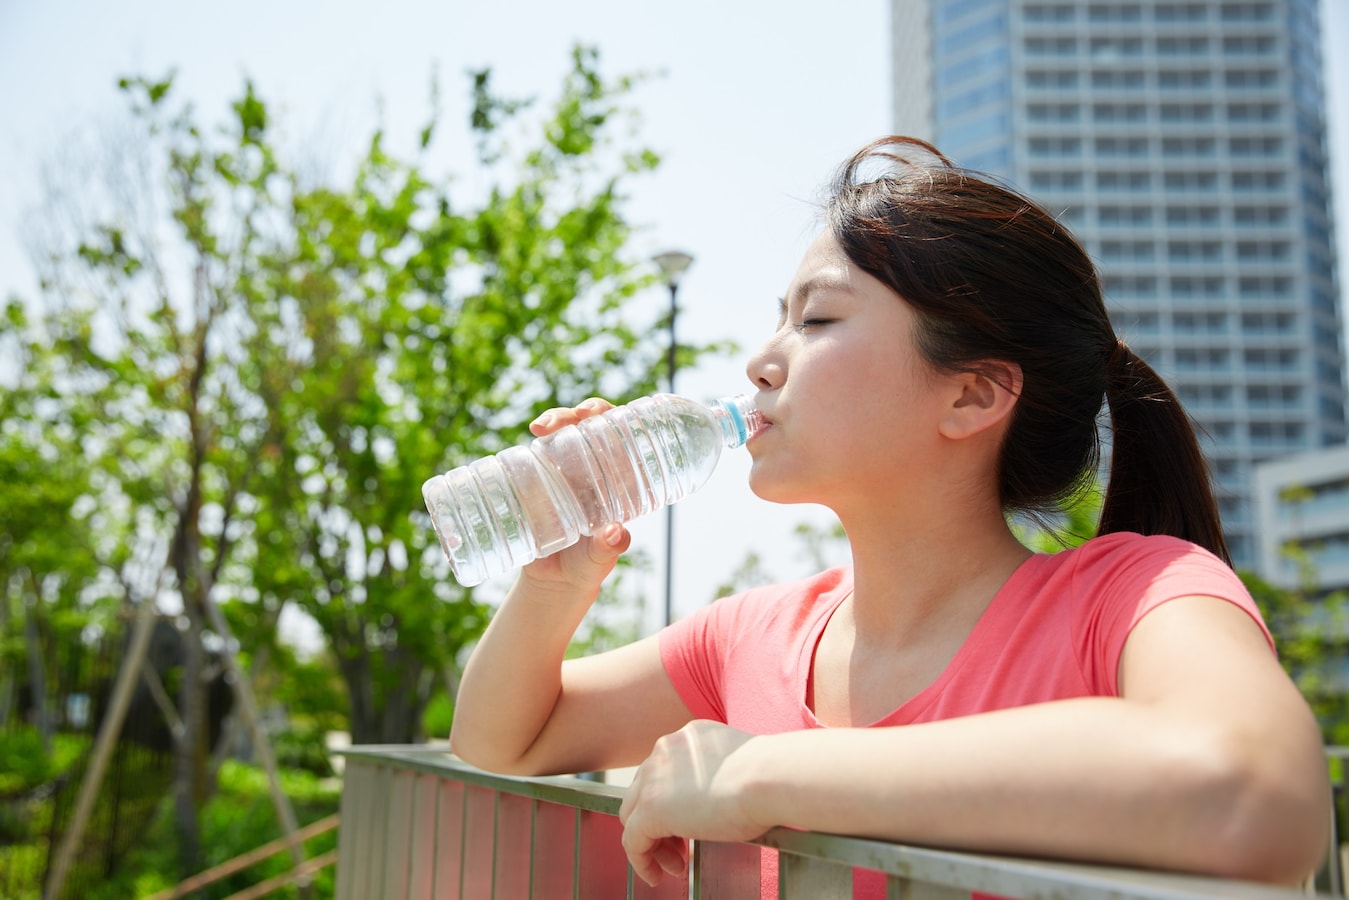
(1007, 876)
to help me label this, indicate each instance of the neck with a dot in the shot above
(913, 573)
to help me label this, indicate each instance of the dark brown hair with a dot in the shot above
(994, 277)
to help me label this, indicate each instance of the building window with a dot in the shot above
(1249, 78)
(1194, 251)
(1046, 46)
(1187, 112)
(1116, 47)
(1263, 251)
(1191, 216)
(1268, 324)
(1189, 147)
(1262, 146)
(1184, 79)
(1265, 286)
(1117, 251)
(1133, 286)
(1056, 180)
(1253, 112)
(1125, 215)
(1182, 46)
(1053, 112)
(1248, 45)
(1186, 286)
(1257, 181)
(1050, 12)
(1132, 182)
(1051, 79)
(1060, 146)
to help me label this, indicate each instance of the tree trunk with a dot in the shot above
(37, 674)
(388, 716)
(188, 753)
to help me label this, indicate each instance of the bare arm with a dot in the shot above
(522, 709)
(1209, 762)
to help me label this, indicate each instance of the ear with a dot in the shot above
(982, 399)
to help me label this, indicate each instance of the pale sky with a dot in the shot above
(753, 105)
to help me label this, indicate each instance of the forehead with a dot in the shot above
(824, 265)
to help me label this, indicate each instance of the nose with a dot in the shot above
(766, 367)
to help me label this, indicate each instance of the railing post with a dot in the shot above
(479, 836)
(907, 889)
(424, 843)
(514, 833)
(601, 872)
(553, 869)
(725, 871)
(802, 878)
(451, 812)
(397, 837)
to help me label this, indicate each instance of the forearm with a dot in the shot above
(1094, 779)
(514, 677)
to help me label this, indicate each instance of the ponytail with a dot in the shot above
(1159, 478)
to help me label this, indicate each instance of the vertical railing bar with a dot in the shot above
(576, 856)
(385, 789)
(628, 889)
(533, 837)
(343, 843)
(496, 826)
(463, 841)
(412, 830)
(695, 863)
(435, 837)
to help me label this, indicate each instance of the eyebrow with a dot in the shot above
(825, 281)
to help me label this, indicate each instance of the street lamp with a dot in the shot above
(673, 264)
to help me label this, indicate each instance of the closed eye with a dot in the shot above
(811, 324)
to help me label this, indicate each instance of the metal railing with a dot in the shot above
(417, 823)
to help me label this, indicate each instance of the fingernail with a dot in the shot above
(544, 420)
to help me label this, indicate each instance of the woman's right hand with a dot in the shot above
(583, 566)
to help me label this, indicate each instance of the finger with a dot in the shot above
(639, 849)
(614, 540)
(593, 406)
(672, 854)
(551, 420)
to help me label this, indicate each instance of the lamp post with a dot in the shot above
(673, 264)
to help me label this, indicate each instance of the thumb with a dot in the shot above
(611, 542)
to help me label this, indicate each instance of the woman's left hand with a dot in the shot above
(691, 786)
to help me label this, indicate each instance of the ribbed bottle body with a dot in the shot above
(504, 511)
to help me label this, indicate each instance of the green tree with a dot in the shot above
(48, 594)
(255, 373)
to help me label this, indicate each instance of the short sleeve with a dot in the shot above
(1126, 577)
(691, 649)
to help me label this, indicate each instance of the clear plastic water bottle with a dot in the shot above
(533, 500)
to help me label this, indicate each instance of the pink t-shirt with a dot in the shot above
(1054, 631)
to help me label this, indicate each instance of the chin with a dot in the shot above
(776, 490)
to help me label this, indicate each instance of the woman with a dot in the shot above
(940, 360)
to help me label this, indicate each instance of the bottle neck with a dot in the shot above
(738, 418)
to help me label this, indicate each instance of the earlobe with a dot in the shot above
(983, 399)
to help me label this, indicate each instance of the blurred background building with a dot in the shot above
(1302, 501)
(1184, 141)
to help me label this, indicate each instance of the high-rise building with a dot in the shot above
(1184, 141)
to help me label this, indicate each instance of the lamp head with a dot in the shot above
(673, 264)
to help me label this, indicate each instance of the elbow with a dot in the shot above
(1267, 813)
(477, 752)
(485, 756)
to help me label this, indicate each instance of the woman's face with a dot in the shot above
(853, 407)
